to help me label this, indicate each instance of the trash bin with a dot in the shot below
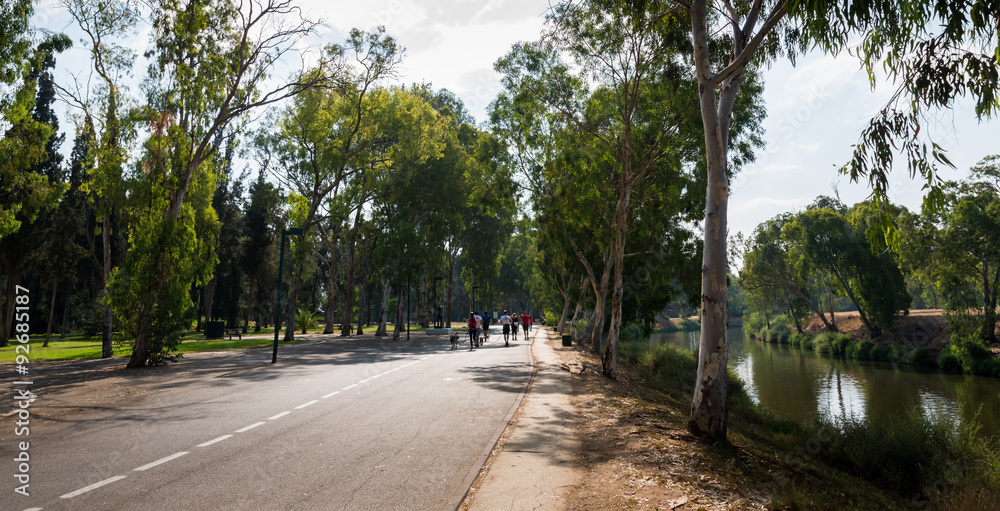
(215, 329)
(567, 340)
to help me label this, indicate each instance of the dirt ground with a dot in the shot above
(637, 454)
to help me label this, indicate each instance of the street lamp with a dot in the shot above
(474, 288)
(438, 321)
(294, 231)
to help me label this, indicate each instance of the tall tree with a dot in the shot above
(212, 64)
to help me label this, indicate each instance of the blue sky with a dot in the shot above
(816, 110)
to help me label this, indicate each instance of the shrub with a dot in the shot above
(797, 339)
(948, 362)
(779, 331)
(630, 333)
(754, 324)
(864, 351)
(881, 352)
(918, 356)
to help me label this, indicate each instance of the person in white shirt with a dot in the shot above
(505, 320)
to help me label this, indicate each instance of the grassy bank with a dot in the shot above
(78, 346)
(835, 344)
(904, 462)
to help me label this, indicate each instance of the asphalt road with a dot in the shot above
(353, 423)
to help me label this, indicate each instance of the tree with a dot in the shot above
(212, 65)
(260, 231)
(930, 69)
(103, 125)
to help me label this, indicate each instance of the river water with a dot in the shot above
(802, 385)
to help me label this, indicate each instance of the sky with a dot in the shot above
(815, 110)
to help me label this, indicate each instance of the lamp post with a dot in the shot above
(474, 288)
(294, 231)
(437, 323)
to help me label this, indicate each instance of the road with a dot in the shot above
(356, 423)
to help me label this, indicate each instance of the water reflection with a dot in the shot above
(801, 385)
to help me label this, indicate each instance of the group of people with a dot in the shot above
(479, 327)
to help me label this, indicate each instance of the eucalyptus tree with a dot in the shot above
(212, 64)
(772, 270)
(327, 137)
(102, 105)
(260, 224)
(933, 53)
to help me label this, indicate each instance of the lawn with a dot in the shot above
(78, 346)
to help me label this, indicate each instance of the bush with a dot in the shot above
(948, 362)
(864, 351)
(630, 333)
(881, 352)
(779, 331)
(754, 324)
(901, 453)
(797, 339)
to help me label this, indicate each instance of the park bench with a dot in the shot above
(234, 331)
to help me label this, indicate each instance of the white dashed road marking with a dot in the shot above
(94, 486)
(210, 442)
(248, 428)
(303, 405)
(334, 393)
(161, 461)
(280, 415)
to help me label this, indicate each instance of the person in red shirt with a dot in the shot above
(525, 324)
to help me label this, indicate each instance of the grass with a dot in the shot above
(910, 458)
(78, 346)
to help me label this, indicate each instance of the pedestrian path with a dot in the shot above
(536, 467)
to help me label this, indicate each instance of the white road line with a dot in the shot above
(94, 486)
(33, 509)
(334, 393)
(210, 442)
(366, 380)
(160, 461)
(350, 386)
(376, 376)
(248, 428)
(280, 415)
(303, 405)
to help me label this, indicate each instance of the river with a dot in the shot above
(802, 385)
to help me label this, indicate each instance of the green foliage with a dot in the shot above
(799, 340)
(754, 324)
(881, 352)
(632, 333)
(305, 320)
(913, 454)
(779, 331)
(831, 343)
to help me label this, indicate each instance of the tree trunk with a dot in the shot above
(107, 349)
(709, 411)
(610, 359)
(331, 281)
(52, 314)
(209, 299)
(251, 297)
(65, 314)
(384, 309)
(345, 316)
(13, 279)
(362, 297)
(398, 322)
(451, 281)
(423, 301)
(293, 295)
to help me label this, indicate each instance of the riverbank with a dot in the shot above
(921, 328)
(637, 453)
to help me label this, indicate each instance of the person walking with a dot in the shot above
(505, 322)
(486, 326)
(479, 328)
(472, 330)
(514, 320)
(525, 324)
